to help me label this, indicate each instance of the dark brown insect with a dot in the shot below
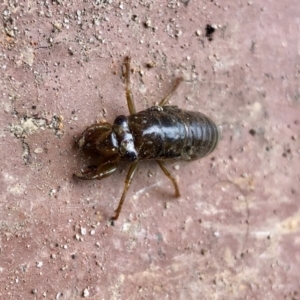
(158, 133)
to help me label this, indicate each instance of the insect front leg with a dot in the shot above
(170, 176)
(98, 172)
(128, 181)
(130, 102)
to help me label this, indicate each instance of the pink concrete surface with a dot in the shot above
(234, 232)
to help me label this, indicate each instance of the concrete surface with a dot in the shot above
(234, 232)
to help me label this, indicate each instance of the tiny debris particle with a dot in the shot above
(209, 30)
(70, 50)
(38, 150)
(216, 233)
(126, 227)
(198, 32)
(252, 132)
(6, 12)
(52, 192)
(148, 23)
(57, 26)
(34, 291)
(203, 251)
(134, 18)
(241, 198)
(176, 167)
(86, 293)
(39, 264)
(92, 232)
(178, 33)
(83, 231)
(150, 65)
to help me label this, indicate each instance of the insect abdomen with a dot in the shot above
(202, 135)
(171, 133)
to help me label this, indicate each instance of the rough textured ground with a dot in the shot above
(234, 232)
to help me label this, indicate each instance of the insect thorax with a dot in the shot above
(125, 139)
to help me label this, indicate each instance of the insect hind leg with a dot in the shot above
(170, 176)
(165, 99)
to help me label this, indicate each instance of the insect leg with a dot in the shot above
(98, 172)
(128, 181)
(130, 102)
(170, 176)
(165, 99)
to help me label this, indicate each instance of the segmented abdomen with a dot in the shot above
(171, 133)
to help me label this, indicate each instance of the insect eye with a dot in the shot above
(131, 156)
(120, 120)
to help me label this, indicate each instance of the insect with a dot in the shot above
(158, 133)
